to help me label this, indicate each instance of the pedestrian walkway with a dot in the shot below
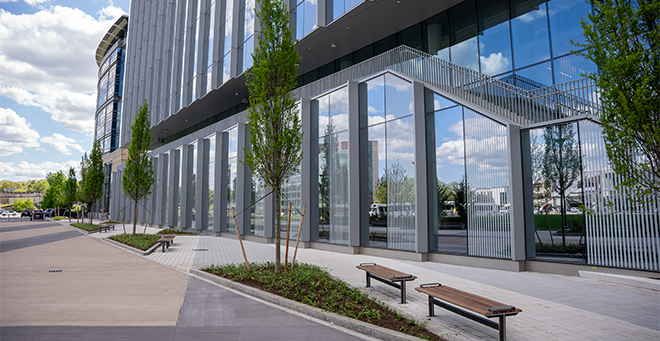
(554, 307)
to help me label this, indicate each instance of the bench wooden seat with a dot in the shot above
(387, 276)
(166, 240)
(454, 299)
(106, 226)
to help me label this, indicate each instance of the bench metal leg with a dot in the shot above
(502, 328)
(403, 292)
(431, 307)
(163, 244)
(368, 280)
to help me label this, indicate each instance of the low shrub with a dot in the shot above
(170, 231)
(84, 226)
(138, 241)
(559, 248)
(311, 285)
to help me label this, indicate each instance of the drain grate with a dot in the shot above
(54, 270)
(200, 249)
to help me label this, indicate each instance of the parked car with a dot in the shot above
(38, 214)
(26, 212)
(48, 212)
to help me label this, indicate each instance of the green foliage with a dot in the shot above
(559, 248)
(314, 286)
(38, 186)
(623, 40)
(138, 241)
(92, 177)
(23, 204)
(54, 196)
(170, 231)
(561, 162)
(71, 189)
(275, 130)
(60, 218)
(8, 184)
(138, 179)
(83, 226)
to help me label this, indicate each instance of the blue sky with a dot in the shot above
(48, 78)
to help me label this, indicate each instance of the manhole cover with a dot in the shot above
(54, 270)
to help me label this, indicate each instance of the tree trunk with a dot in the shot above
(277, 228)
(134, 217)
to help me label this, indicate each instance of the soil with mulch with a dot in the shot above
(389, 318)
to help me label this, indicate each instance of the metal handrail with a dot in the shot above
(522, 106)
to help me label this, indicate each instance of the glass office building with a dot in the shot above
(110, 57)
(451, 131)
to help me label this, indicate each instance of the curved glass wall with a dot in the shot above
(391, 176)
(109, 91)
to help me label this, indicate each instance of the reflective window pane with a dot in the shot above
(572, 67)
(435, 33)
(398, 95)
(494, 37)
(536, 76)
(565, 17)
(529, 30)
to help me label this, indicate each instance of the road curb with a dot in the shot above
(343, 321)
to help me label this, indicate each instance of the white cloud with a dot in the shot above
(52, 65)
(28, 171)
(494, 64)
(62, 143)
(15, 133)
(372, 110)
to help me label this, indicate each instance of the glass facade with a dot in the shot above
(389, 127)
(209, 151)
(469, 195)
(333, 166)
(232, 175)
(109, 99)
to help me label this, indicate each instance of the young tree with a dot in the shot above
(54, 196)
(71, 191)
(623, 40)
(561, 164)
(20, 204)
(275, 131)
(138, 175)
(92, 177)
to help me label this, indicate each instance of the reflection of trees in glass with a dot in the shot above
(381, 190)
(561, 163)
(333, 182)
(459, 192)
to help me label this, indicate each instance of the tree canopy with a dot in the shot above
(138, 178)
(275, 129)
(623, 40)
(91, 171)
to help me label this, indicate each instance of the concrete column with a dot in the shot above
(173, 198)
(243, 183)
(421, 177)
(321, 10)
(221, 181)
(363, 162)
(186, 186)
(528, 189)
(201, 195)
(516, 188)
(355, 205)
(236, 25)
(309, 171)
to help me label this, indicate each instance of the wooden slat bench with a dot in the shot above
(106, 226)
(480, 308)
(166, 240)
(387, 276)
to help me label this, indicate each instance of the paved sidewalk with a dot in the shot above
(554, 307)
